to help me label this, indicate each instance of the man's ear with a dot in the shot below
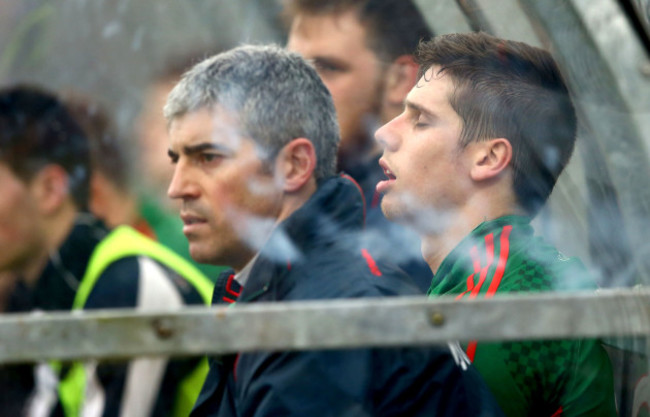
(400, 78)
(297, 162)
(50, 188)
(490, 158)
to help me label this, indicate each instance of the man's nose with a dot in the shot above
(387, 136)
(181, 185)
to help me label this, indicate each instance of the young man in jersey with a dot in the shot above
(253, 136)
(486, 132)
(66, 259)
(362, 50)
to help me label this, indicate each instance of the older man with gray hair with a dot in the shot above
(253, 137)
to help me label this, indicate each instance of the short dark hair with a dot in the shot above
(512, 90)
(36, 130)
(395, 27)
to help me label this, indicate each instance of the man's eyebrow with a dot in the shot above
(194, 149)
(320, 59)
(413, 106)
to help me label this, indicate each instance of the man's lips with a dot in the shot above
(382, 186)
(191, 222)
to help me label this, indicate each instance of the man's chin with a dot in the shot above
(398, 212)
(393, 212)
(199, 255)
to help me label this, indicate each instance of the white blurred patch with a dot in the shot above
(459, 355)
(422, 218)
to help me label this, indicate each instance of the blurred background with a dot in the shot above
(111, 50)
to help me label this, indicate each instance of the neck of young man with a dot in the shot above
(438, 244)
(56, 229)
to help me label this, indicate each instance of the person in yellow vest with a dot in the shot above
(67, 259)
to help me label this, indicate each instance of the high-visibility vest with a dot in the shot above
(122, 242)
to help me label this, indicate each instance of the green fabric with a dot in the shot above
(169, 231)
(190, 388)
(531, 378)
(122, 242)
(71, 389)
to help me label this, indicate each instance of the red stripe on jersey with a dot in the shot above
(471, 350)
(477, 267)
(371, 263)
(476, 261)
(489, 258)
(470, 286)
(503, 259)
(496, 279)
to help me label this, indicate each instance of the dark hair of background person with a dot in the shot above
(395, 27)
(107, 152)
(507, 89)
(36, 130)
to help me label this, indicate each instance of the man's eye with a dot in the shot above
(419, 122)
(207, 158)
(326, 67)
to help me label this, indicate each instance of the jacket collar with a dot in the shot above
(335, 210)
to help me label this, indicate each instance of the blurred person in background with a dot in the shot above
(253, 138)
(65, 259)
(112, 195)
(153, 169)
(486, 132)
(362, 49)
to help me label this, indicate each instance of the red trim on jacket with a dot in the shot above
(233, 294)
(372, 265)
(363, 198)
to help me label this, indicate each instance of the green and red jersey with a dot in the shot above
(531, 378)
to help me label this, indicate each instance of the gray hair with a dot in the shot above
(276, 95)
